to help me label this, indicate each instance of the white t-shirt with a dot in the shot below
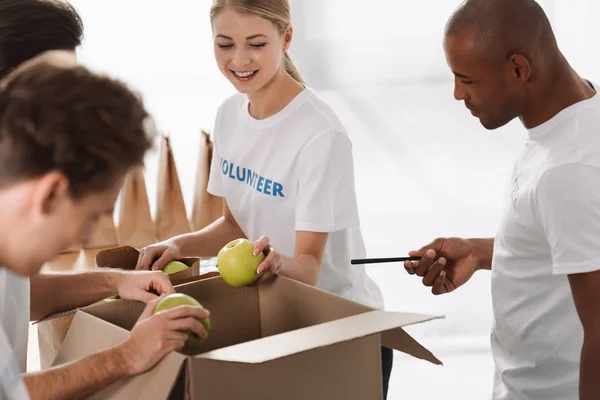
(291, 172)
(14, 330)
(551, 228)
(14, 313)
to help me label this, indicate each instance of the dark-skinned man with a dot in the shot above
(545, 257)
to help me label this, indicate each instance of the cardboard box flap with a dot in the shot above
(321, 335)
(77, 343)
(89, 334)
(55, 316)
(126, 257)
(400, 340)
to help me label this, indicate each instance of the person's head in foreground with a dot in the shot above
(506, 61)
(252, 38)
(30, 27)
(68, 137)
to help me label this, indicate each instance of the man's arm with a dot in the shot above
(572, 224)
(72, 290)
(152, 338)
(586, 294)
(79, 379)
(484, 250)
(69, 291)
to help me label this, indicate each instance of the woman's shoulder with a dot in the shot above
(320, 113)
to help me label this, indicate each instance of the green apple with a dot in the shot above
(174, 267)
(109, 299)
(180, 299)
(237, 263)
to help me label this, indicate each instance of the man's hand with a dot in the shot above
(143, 286)
(155, 336)
(448, 263)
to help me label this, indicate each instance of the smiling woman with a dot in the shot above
(283, 163)
(271, 36)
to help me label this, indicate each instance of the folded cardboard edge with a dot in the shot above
(321, 335)
(126, 257)
(88, 335)
(396, 338)
(83, 323)
(71, 312)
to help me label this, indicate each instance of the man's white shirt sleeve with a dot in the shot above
(568, 201)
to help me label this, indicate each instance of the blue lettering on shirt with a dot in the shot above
(268, 184)
(251, 178)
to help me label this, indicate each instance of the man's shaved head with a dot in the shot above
(504, 27)
(504, 55)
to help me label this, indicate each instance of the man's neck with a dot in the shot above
(557, 92)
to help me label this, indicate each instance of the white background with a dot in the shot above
(424, 166)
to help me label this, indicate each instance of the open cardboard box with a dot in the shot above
(279, 340)
(126, 257)
(52, 330)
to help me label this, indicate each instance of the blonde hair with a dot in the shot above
(276, 11)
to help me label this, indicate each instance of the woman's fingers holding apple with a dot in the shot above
(272, 262)
(148, 255)
(265, 276)
(272, 265)
(165, 258)
(261, 245)
(157, 255)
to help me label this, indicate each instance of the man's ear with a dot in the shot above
(521, 67)
(50, 190)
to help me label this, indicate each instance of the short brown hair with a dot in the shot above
(31, 27)
(66, 118)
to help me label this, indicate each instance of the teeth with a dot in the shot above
(244, 74)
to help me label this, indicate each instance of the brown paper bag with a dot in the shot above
(171, 217)
(206, 207)
(104, 234)
(136, 227)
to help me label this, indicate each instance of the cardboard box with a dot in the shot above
(279, 340)
(126, 257)
(53, 329)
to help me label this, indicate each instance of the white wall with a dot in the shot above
(578, 32)
(376, 42)
(355, 42)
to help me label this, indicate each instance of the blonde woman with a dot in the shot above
(282, 162)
